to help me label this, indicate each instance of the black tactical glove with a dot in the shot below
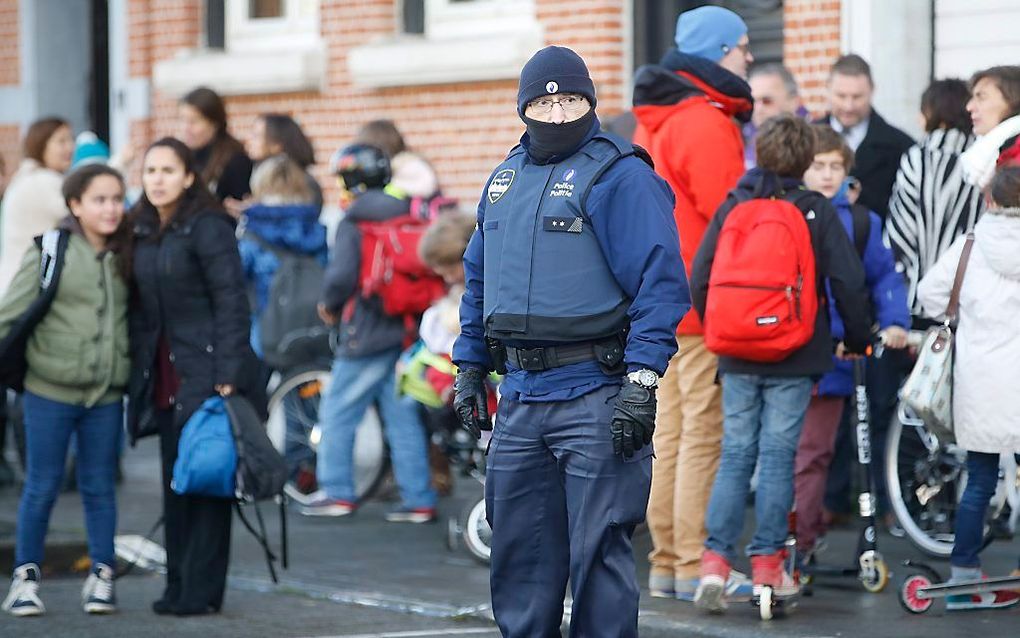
(471, 401)
(633, 419)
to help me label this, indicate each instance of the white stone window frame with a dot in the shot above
(478, 40)
(261, 55)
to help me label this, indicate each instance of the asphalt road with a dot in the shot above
(362, 577)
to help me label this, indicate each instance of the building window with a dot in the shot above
(413, 17)
(443, 41)
(266, 24)
(258, 9)
(252, 47)
(655, 25)
(215, 25)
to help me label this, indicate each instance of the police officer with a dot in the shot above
(574, 289)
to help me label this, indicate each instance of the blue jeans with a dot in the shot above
(982, 477)
(48, 428)
(357, 383)
(762, 419)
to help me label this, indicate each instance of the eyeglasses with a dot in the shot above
(570, 104)
(744, 48)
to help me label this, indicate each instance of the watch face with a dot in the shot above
(647, 378)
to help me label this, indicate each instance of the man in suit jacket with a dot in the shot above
(877, 144)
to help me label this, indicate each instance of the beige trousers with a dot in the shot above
(688, 437)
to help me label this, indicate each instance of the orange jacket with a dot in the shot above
(688, 127)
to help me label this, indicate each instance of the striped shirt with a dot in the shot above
(930, 206)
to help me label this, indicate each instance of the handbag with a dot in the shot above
(929, 388)
(206, 454)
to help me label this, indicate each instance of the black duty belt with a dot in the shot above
(547, 357)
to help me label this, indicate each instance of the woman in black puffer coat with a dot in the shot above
(189, 326)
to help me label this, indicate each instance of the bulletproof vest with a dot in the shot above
(546, 278)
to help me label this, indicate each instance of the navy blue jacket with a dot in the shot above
(631, 212)
(885, 286)
(290, 227)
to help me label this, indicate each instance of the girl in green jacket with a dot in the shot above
(77, 372)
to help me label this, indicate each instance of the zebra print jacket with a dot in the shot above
(931, 206)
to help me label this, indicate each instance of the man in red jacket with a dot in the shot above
(690, 108)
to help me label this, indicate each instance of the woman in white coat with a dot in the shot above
(986, 407)
(33, 202)
(31, 205)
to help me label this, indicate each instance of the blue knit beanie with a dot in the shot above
(554, 70)
(708, 32)
(89, 149)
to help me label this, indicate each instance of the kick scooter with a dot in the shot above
(768, 602)
(920, 589)
(869, 568)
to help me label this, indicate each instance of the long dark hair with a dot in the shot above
(224, 145)
(74, 188)
(284, 131)
(193, 200)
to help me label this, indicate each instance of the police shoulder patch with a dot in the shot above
(500, 184)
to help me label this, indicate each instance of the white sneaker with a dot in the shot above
(738, 587)
(97, 596)
(23, 599)
(710, 594)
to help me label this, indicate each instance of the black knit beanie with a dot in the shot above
(554, 70)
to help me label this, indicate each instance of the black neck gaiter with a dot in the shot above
(547, 140)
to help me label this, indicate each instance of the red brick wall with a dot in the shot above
(463, 129)
(10, 74)
(9, 67)
(811, 31)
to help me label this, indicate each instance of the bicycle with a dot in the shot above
(926, 476)
(293, 427)
(466, 453)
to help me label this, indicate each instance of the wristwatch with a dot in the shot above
(645, 378)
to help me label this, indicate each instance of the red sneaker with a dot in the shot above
(769, 570)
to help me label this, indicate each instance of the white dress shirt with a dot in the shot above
(853, 135)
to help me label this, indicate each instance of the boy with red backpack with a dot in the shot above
(375, 288)
(757, 282)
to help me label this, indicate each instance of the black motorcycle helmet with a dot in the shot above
(361, 167)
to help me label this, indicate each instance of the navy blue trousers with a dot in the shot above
(561, 505)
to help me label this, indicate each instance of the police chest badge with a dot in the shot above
(500, 184)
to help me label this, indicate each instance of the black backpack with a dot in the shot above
(261, 473)
(290, 331)
(13, 364)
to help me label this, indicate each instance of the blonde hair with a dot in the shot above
(279, 180)
(444, 243)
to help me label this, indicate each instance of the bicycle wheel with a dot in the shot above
(925, 480)
(476, 531)
(293, 428)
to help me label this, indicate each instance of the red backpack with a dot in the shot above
(762, 292)
(391, 268)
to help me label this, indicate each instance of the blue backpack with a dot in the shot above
(206, 462)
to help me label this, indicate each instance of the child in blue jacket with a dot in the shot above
(887, 292)
(283, 218)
